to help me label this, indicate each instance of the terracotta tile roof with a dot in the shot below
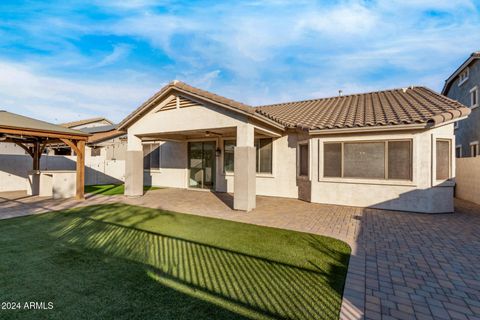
(381, 108)
(98, 137)
(83, 122)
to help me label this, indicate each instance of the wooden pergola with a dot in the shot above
(35, 135)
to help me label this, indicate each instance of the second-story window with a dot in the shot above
(463, 76)
(474, 97)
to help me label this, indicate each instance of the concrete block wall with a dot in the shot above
(14, 169)
(468, 179)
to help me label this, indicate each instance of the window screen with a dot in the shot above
(95, 152)
(151, 156)
(228, 155)
(364, 160)
(264, 155)
(399, 160)
(303, 155)
(332, 160)
(443, 159)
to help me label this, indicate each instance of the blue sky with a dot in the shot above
(67, 60)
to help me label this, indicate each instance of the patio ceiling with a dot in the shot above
(214, 133)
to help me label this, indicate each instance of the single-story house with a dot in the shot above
(104, 140)
(389, 149)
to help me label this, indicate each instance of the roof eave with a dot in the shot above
(450, 79)
(414, 126)
(170, 87)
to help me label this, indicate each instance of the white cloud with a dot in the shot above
(119, 52)
(58, 99)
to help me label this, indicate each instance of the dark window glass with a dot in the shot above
(264, 155)
(399, 160)
(303, 154)
(95, 152)
(332, 160)
(443, 159)
(151, 156)
(228, 155)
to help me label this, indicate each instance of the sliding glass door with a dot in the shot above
(201, 164)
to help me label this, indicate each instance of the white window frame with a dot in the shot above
(474, 143)
(459, 146)
(463, 76)
(473, 91)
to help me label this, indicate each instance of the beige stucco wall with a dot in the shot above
(173, 155)
(467, 179)
(422, 194)
(281, 183)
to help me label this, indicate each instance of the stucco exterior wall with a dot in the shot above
(173, 170)
(467, 179)
(468, 129)
(422, 194)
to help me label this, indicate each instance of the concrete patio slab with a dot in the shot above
(403, 265)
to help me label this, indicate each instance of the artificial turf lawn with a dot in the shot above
(111, 189)
(125, 262)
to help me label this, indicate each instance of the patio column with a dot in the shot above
(134, 167)
(244, 169)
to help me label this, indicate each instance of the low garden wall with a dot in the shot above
(14, 168)
(468, 179)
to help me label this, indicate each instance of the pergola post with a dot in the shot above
(79, 147)
(36, 156)
(80, 170)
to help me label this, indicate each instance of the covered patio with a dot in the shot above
(34, 136)
(196, 130)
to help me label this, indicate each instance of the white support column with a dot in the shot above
(245, 169)
(134, 167)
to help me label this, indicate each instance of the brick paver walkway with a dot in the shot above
(403, 265)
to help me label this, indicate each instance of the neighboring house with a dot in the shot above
(105, 140)
(464, 86)
(390, 149)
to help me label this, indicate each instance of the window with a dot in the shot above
(474, 97)
(364, 160)
(458, 151)
(368, 160)
(463, 76)
(303, 159)
(151, 156)
(474, 149)
(264, 155)
(443, 159)
(95, 152)
(399, 160)
(332, 160)
(228, 155)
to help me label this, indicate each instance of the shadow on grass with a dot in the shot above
(229, 283)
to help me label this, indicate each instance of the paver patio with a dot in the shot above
(403, 265)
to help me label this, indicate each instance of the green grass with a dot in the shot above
(112, 189)
(127, 262)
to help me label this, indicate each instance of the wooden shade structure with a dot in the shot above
(34, 135)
